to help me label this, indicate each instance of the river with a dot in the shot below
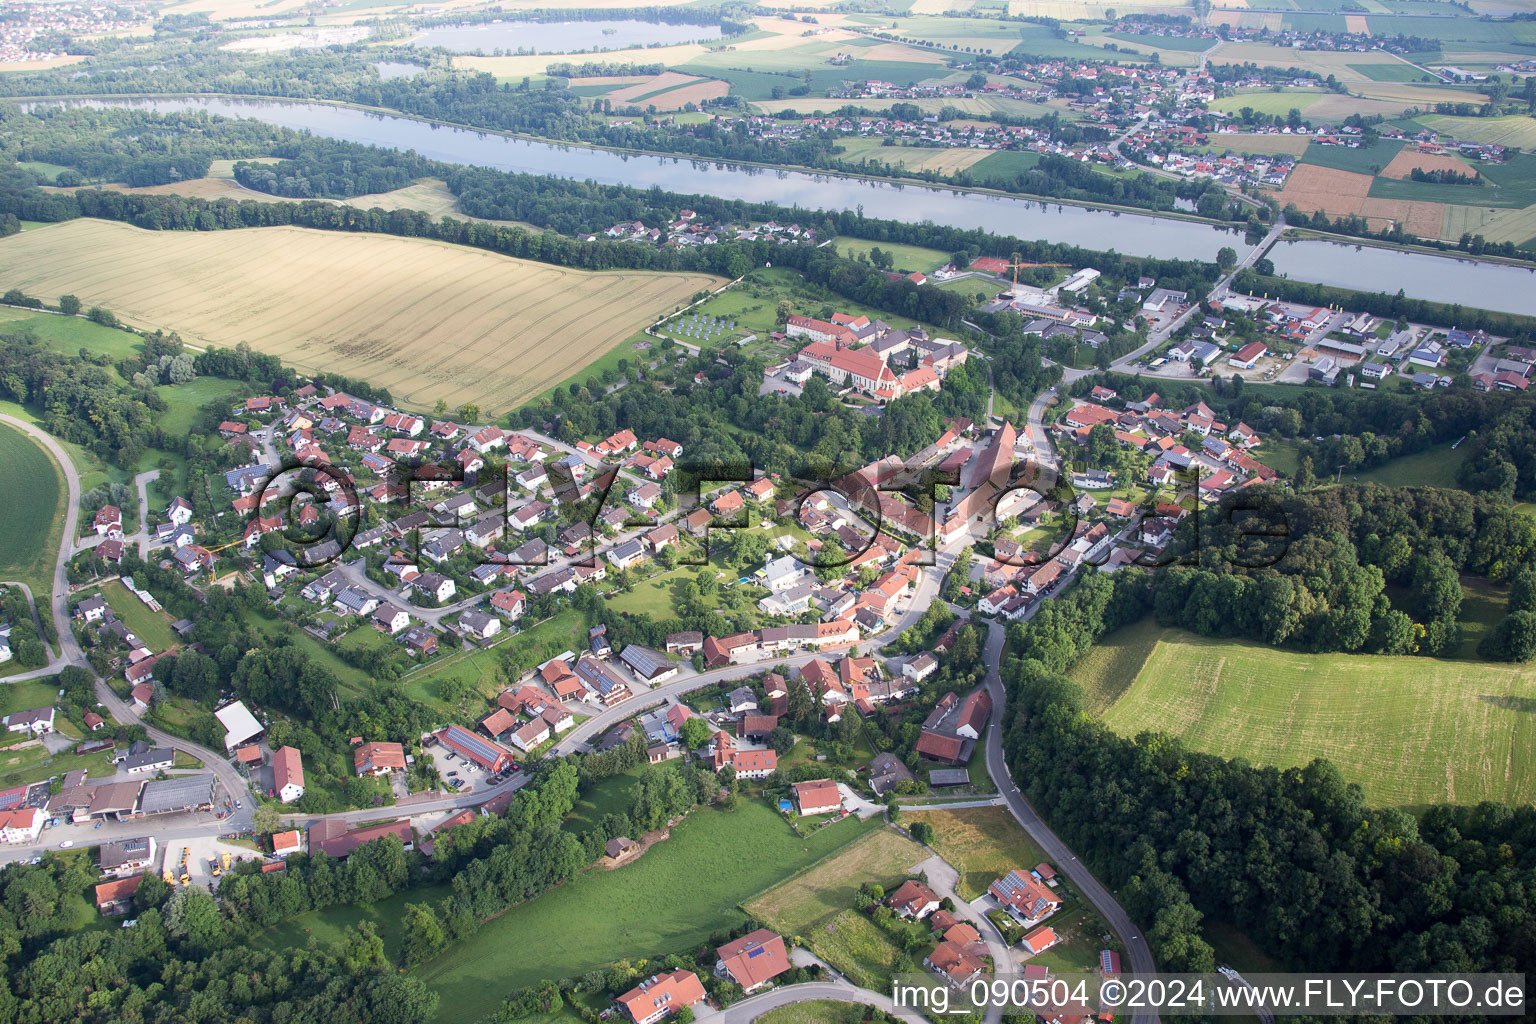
(1472, 283)
(1445, 279)
(562, 36)
(1134, 234)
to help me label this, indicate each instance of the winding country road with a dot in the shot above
(233, 784)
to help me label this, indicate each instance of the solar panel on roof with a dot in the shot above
(755, 951)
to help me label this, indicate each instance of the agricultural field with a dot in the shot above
(817, 905)
(425, 319)
(1394, 73)
(1004, 165)
(32, 509)
(1513, 130)
(1412, 731)
(939, 159)
(1268, 102)
(559, 935)
(982, 843)
(1336, 192)
(1114, 662)
(429, 195)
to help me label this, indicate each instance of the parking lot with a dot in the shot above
(460, 775)
(199, 855)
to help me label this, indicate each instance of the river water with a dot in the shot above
(1444, 279)
(561, 36)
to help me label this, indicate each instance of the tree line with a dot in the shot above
(1294, 858)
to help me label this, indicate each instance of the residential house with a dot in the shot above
(753, 960)
(378, 758)
(1025, 897)
(660, 996)
(913, 900)
(287, 774)
(820, 796)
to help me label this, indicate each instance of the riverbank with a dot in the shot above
(1292, 234)
(760, 165)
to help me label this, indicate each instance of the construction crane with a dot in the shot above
(1018, 262)
(214, 576)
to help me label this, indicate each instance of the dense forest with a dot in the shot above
(1293, 858)
(1313, 571)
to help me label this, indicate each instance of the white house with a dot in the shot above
(179, 511)
(22, 825)
(37, 721)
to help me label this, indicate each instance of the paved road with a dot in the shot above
(841, 991)
(234, 783)
(230, 780)
(1155, 338)
(942, 877)
(1056, 851)
(142, 537)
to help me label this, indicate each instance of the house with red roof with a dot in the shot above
(660, 996)
(819, 796)
(954, 964)
(913, 900)
(753, 960)
(287, 774)
(1025, 897)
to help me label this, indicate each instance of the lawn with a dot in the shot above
(653, 596)
(1281, 456)
(34, 764)
(817, 905)
(603, 916)
(186, 401)
(814, 1011)
(330, 926)
(481, 669)
(609, 796)
(983, 844)
(908, 257)
(1433, 467)
(32, 509)
(152, 627)
(71, 333)
(1411, 731)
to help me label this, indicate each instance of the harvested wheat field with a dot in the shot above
(1355, 23)
(1334, 192)
(665, 80)
(698, 92)
(425, 319)
(1402, 165)
(1312, 188)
